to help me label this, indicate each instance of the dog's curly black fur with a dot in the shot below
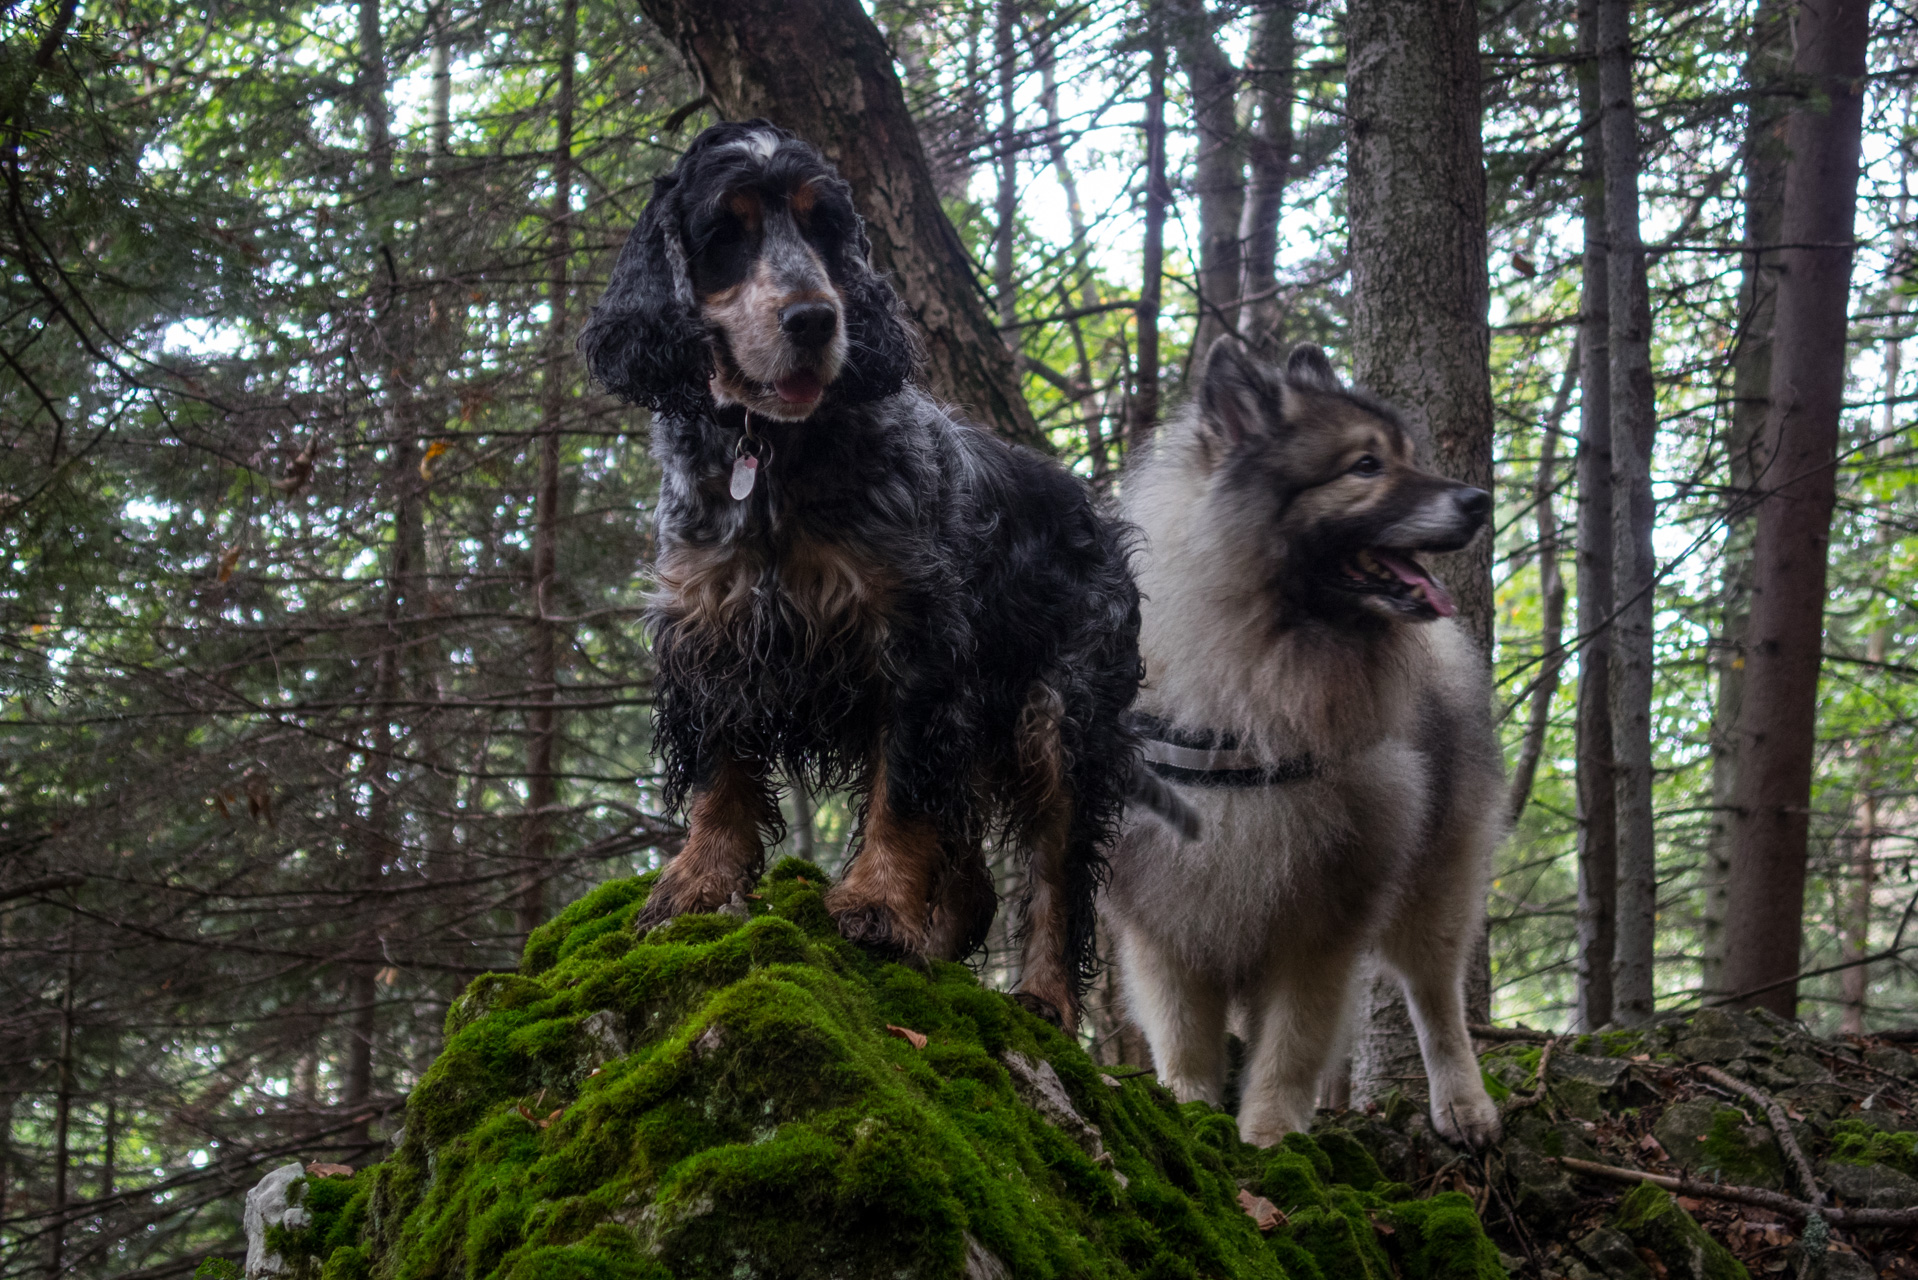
(903, 603)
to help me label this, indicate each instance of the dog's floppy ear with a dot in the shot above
(1239, 397)
(1308, 369)
(882, 351)
(644, 342)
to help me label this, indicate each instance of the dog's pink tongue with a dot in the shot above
(799, 388)
(1412, 576)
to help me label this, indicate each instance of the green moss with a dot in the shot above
(1741, 1152)
(1859, 1142)
(1442, 1239)
(1620, 1044)
(336, 1219)
(722, 1098)
(1652, 1220)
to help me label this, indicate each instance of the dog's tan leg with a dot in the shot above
(1046, 979)
(963, 904)
(1182, 1015)
(884, 901)
(1293, 1024)
(723, 853)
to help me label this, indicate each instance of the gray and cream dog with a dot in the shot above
(1310, 694)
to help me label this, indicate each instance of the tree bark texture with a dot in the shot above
(1551, 590)
(1597, 804)
(1778, 720)
(1270, 72)
(1767, 66)
(821, 69)
(1415, 192)
(1005, 291)
(1634, 421)
(542, 722)
(1144, 410)
(1218, 172)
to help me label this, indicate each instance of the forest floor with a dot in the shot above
(1699, 1100)
(747, 1095)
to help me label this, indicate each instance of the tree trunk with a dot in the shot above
(1633, 423)
(382, 840)
(1415, 193)
(1551, 591)
(1856, 981)
(542, 722)
(1597, 804)
(821, 69)
(1004, 282)
(1270, 70)
(1218, 174)
(1145, 397)
(1766, 67)
(1778, 722)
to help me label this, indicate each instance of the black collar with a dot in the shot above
(1208, 758)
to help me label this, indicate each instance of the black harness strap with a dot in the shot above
(1207, 758)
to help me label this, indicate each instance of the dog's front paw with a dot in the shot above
(1468, 1119)
(877, 928)
(1039, 1006)
(670, 900)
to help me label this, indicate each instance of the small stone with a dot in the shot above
(1042, 1090)
(1876, 1186)
(273, 1203)
(1655, 1221)
(1895, 1061)
(1603, 1072)
(1612, 1255)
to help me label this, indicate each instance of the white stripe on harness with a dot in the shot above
(1198, 759)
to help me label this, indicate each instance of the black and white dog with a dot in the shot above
(856, 587)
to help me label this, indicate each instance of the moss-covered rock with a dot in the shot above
(1651, 1219)
(729, 1097)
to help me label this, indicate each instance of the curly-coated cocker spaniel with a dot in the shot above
(856, 586)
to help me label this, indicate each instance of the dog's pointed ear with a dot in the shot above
(882, 349)
(1239, 397)
(643, 342)
(1308, 369)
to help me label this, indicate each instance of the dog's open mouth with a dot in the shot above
(1399, 578)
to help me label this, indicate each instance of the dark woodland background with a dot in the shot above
(321, 679)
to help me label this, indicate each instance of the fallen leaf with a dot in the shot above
(1264, 1214)
(229, 558)
(1524, 265)
(1689, 1204)
(320, 1169)
(911, 1037)
(755, 897)
(1641, 1057)
(1796, 1115)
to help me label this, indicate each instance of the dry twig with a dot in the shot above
(1780, 1126)
(1776, 1201)
(1517, 1102)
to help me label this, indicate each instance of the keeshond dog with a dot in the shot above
(1308, 692)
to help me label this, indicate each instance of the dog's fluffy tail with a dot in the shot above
(1150, 793)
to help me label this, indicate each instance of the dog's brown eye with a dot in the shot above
(1367, 465)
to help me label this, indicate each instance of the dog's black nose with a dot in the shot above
(810, 324)
(1475, 503)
